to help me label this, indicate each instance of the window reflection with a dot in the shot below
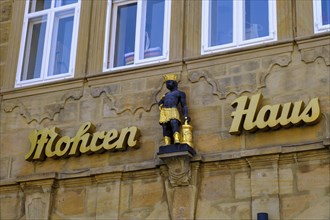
(154, 29)
(125, 35)
(256, 19)
(221, 22)
(34, 48)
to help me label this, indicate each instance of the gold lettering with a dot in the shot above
(42, 137)
(312, 112)
(48, 143)
(296, 111)
(247, 108)
(82, 137)
(33, 137)
(128, 137)
(95, 145)
(250, 124)
(271, 116)
(50, 147)
(62, 146)
(284, 119)
(110, 138)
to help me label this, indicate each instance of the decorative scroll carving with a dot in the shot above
(127, 102)
(47, 112)
(237, 84)
(311, 54)
(281, 60)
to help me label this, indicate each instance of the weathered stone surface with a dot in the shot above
(4, 30)
(183, 203)
(71, 201)
(223, 210)
(266, 204)
(5, 164)
(6, 10)
(286, 181)
(11, 205)
(318, 174)
(216, 187)
(242, 185)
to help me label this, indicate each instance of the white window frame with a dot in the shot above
(318, 26)
(50, 13)
(238, 19)
(110, 34)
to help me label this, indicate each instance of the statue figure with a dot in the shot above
(169, 107)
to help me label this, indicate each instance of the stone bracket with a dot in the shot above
(177, 158)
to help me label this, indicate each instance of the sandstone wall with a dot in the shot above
(283, 172)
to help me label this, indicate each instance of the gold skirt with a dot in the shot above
(166, 114)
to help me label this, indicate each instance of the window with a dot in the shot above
(49, 41)
(321, 16)
(137, 33)
(229, 24)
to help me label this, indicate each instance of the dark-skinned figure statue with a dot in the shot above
(170, 118)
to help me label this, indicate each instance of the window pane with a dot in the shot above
(39, 5)
(325, 12)
(61, 44)
(34, 48)
(221, 22)
(154, 29)
(125, 35)
(256, 19)
(65, 2)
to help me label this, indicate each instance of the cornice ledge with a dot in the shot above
(42, 89)
(76, 182)
(264, 161)
(11, 187)
(284, 149)
(38, 179)
(108, 177)
(114, 76)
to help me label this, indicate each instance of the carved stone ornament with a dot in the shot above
(179, 170)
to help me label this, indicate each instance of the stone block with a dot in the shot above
(4, 30)
(264, 182)
(286, 181)
(21, 167)
(266, 204)
(183, 203)
(216, 187)
(215, 142)
(305, 206)
(206, 119)
(132, 86)
(313, 178)
(202, 95)
(89, 110)
(146, 193)
(108, 196)
(6, 10)
(284, 136)
(242, 185)
(69, 113)
(5, 164)
(3, 53)
(11, 206)
(251, 65)
(223, 210)
(70, 201)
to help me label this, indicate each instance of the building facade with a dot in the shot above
(74, 70)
